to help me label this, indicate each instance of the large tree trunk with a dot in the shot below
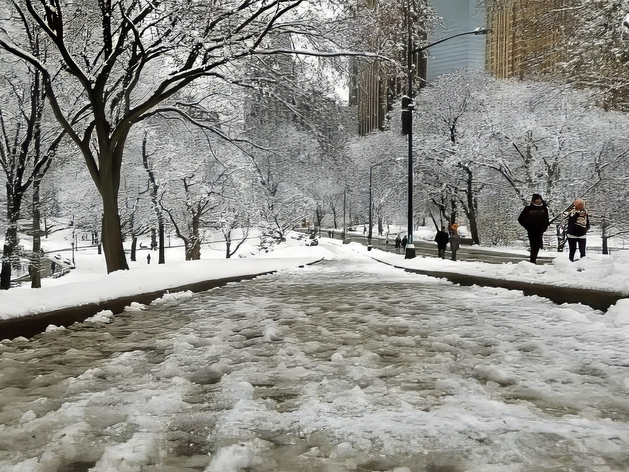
(134, 244)
(228, 245)
(111, 233)
(160, 225)
(9, 252)
(193, 249)
(471, 207)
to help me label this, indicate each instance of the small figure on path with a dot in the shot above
(578, 225)
(148, 259)
(442, 239)
(534, 219)
(398, 244)
(455, 240)
(404, 242)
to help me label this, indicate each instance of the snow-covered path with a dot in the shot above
(348, 365)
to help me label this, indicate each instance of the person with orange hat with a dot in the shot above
(578, 226)
(455, 240)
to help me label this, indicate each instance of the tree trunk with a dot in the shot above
(113, 248)
(471, 208)
(11, 240)
(228, 245)
(160, 226)
(134, 245)
(193, 249)
(10, 249)
(154, 188)
(37, 252)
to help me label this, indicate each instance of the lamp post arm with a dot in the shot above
(477, 31)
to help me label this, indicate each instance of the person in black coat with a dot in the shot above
(398, 244)
(534, 218)
(442, 239)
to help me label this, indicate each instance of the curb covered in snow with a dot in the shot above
(597, 299)
(32, 325)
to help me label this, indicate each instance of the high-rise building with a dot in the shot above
(468, 51)
(374, 86)
(526, 36)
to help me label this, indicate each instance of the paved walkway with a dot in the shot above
(345, 365)
(597, 299)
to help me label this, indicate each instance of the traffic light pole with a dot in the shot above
(407, 125)
(410, 252)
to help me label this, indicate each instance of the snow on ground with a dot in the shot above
(89, 282)
(342, 366)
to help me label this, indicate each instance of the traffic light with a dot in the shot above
(407, 115)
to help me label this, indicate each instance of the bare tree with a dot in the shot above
(25, 156)
(132, 56)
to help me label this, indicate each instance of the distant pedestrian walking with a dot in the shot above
(398, 244)
(455, 240)
(442, 239)
(534, 218)
(404, 242)
(578, 226)
(148, 259)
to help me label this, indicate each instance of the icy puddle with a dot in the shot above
(348, 365)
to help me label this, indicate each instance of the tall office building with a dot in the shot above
(468, 51)
(526, 36)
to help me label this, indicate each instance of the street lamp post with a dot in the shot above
(344, 203)
(370, 211)
(407, 118)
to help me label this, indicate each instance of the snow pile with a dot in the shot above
(596, 271)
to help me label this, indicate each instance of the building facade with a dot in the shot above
(526, 36)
